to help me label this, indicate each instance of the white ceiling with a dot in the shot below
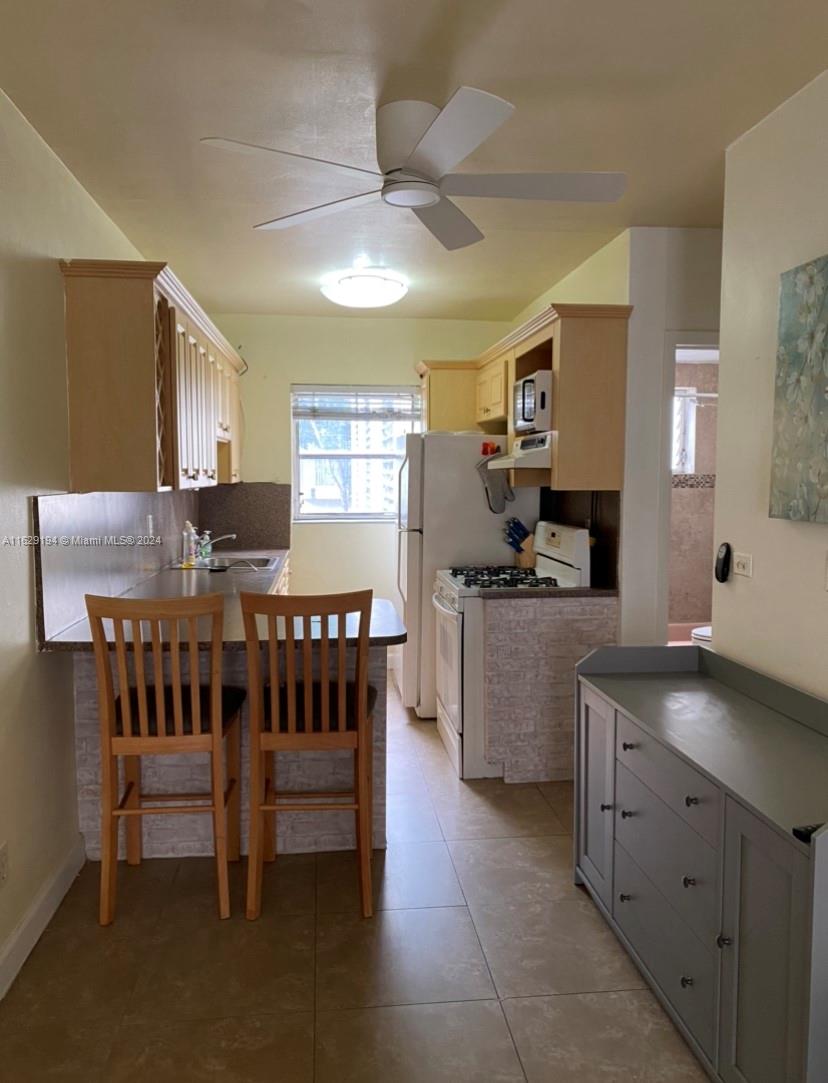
(123, 89)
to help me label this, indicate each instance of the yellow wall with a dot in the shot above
(775, 218)
(284, 350)
(603, 279)
(44, 214)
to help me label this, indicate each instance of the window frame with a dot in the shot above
(684, 430)
(411, 391)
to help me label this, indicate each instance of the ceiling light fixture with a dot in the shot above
(364, 287)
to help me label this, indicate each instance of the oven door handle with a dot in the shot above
(446, 610)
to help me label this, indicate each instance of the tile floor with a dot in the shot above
(483, 964)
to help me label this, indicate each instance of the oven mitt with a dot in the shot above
(496, 484)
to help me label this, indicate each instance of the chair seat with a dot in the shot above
(231, 700)
(316, 721)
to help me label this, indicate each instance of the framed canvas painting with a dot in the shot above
(799, 466)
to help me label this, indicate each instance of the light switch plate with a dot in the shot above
(743, 564)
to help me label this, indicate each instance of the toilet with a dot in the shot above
(702, 634)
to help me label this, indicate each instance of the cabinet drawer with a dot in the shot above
(685, 790)
(668, 948)
(678, 861)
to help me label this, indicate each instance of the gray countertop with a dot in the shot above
(768, 760)
(386, 626)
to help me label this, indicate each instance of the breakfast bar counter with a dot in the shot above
(174, 836)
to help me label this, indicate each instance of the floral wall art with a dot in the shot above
(799, 470)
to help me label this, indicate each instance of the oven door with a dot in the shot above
(449, 662)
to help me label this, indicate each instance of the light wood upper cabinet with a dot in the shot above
(491, 399)
(151, 381)
(448, 395)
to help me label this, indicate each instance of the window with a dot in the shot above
(348, 446)
(684, 430)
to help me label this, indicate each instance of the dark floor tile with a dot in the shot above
(399, 957)
(408, 875)
(53, 1052)
(215, 969)
(419, 1043)
(263, 1049)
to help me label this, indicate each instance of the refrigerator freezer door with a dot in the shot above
(410, 565)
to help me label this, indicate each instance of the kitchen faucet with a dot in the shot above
(204, 543)
(225, 537)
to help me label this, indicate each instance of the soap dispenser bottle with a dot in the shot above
(189, 545)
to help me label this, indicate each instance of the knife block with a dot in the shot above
(526, 559)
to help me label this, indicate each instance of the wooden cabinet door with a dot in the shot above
(596, 792)
(482, 407)
(187, 467)
(497, 388)
(763, 953)
(236, 427)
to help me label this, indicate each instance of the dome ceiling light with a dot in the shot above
(364, 287)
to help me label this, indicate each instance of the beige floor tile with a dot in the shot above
(264, 1049)
(68, 1052)
(527, 871)
(551, 947)
(399, 957)
(213, 969)
(79, 973)
(611, 1037)
(408, 875)
(560, 796)
(421, 1043)
(493, 809)
(411, 818)
(403, 774)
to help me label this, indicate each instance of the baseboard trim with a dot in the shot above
(15, 951)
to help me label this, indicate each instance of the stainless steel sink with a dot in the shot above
(241, 564)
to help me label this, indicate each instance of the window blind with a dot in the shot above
(355, 403)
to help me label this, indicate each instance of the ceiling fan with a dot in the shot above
(417, 145)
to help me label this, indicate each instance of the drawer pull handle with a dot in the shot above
(628, 746)
(690, 801)
(624, 898)
(625, 814)
(686, 983)
(724, 941)
(688, 881)
(606, 808)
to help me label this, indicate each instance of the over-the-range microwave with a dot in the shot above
(533, 402)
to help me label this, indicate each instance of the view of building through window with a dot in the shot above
(348, 446)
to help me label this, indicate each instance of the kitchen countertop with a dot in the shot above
(386, 626)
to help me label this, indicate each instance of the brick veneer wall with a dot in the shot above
(531, 648)
(185, 836)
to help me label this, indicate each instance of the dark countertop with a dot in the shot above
(502, 593)
(386, 626)
(766, 759)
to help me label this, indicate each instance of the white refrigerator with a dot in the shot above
(443, 520)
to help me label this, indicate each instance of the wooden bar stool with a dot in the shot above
(163, 716)
(310, 699)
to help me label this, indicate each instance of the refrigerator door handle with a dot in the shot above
(400, 532)
(399, 501)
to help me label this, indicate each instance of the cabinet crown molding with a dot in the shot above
(546, 318)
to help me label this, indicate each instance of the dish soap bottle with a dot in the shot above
(189, 545)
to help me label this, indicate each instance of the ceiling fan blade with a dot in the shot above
(251, 148)
(449, 225)
(298, 217)
(467, 120)
(564, 187)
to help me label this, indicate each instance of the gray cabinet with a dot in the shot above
(596, 793)
(763, 968)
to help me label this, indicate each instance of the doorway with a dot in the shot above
(692, 451)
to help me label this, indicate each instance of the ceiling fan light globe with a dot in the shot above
(364, 287)
(410, 193)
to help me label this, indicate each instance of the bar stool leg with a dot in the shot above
(220, 834)
(234, 802)
(270, 817)
(109, 838)
(134, 824)
(255, 843)
(364, 814)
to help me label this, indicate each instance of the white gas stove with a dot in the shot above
(562, 554)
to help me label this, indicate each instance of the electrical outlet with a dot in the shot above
(743, 564)
(4, 863)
